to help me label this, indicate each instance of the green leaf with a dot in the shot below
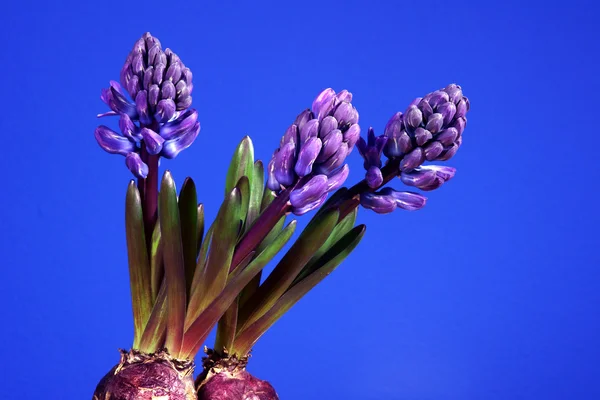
(193, 309)
(256, 194)
(242, 164)
(279, 280)
(154, 332)
(226, 327)
(327, 263)
(343, 227)
(196, 334)
(156, 261)
(223, 241)
(139, 265)
(188, 212)
(168, 211)
(268, 197)
(244, 187)
(200, 225)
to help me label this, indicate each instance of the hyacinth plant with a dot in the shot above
(186, 280)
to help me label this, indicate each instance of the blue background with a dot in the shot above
(490, 292)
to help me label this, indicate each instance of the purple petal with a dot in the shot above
(373, 177)
(112, 142)
(136, 165)
(418, 178)
(303, 118)
(344, 96)
(309, 130)
(407, 200)
(118, 103)
(171, 148)
(461, 108)
(346, 114)
(310, 206)
(182, 89)
(327, 125)
(290, 136)
(173, 73)
(154, 51)
(447, 136)
(337, 179)
(141, 104)
(362, 147)
(412, 160)
(134, 86)
(167, 90)
(310, 192)
(454, 93)
(448, 153)
(284, 164)
(351, 135)
(183, 103)
(152, 140)
(394, 126)
(335, 161)
(129, 129)
(422, 136)
(330, 145)
(378, 203)
(444, 172)
(438, 97)
(148, 77)
(307, 156)
(153, 93)
(323, 103)
(413, 117)
(165, 109)
(126, 72)
(448, 110)
(433, 150)
(425, 109)
(415, 101)
(181, 125)
(434, 123)
(437, 182)
(272, 182)
(459, 124)
(159, 72)
(404, 143)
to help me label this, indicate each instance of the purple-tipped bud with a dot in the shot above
(440, 173)
(373, 177)
(290, 136)
(310, 192)
(448, 110)
(128, 128)
(323, 103)
(434, 123)
(406, 200)
(165, 110)
(352, 135)
(135, 164)
(310, 206)
(422, 136)
(167, 90)
(334, 162)
(425, 109)
(303, 118)
(328, 125)
(284, 164)
(438, 97)
(141, 104)
(330, 145)
(454, 93)
(112, 142)
(171, 148)
(152, 140)
(272, 182)
(344, 96)
(412, 160)
(418, 177)
(378, 203)
(337, 179)
(448, 153)
(153, 96)
(413, 117)
(180, 125)
(346, 114)
(307, 156)
(447, 136)
(459, 125)
(433, 150)
(309, 130)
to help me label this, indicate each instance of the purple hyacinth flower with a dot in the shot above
(112, 142)
(406, 200)
(285, 160)
(337, 178)
(272, 182)
(310, 192)
(371, 151)
(379, 203)
(310, 206)
(307, 156)
(171, 148)
(134, 163)
(156, 115)
(323, 103)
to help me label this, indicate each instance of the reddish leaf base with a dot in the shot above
(141, 376)
(226, 378)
